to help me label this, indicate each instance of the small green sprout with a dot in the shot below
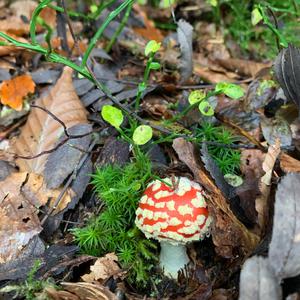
(231, 90)
(206, 109)
(256, 16)
(151, 48)
(196, 96)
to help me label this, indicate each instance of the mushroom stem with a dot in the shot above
(172, 258)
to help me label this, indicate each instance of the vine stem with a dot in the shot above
(100, 31)
(120, 28)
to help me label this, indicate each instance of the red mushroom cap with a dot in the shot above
(177, 215)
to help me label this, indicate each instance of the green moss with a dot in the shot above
(113, 230)
(227, 159)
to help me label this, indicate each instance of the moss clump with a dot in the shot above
(113, 230)
(228, 160)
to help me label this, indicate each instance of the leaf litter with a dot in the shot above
(48, 156)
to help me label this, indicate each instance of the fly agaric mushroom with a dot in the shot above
(174, 216)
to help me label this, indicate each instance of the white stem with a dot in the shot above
(172, 258)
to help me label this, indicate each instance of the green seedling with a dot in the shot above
(141, 135)
(150, 50)
(231, 90)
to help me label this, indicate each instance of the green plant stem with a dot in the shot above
(100, 9)
(120, 28)
(190, 107)
(145, 80)
(276, 32)
(48, 34)
(70, 12)
(53, 57)
(33, 20)
(100, 31)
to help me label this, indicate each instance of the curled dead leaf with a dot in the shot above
(103, 268)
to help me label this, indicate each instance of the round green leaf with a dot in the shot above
(231, 90)
(152, 47)
(196, 96)
(256, 16)
(142, 135)
(93, 8)
(112, 115)
(154, 66)
(206, 109)
(233, 180)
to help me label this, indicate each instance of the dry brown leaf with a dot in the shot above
(228, 232)
(209, 75)
(262, 201)
(85, 290)
(14, 25)
(13, 91)
(289, 164)
(243, 67)
(8, 50)
(23, 8)
(21, 194)
(150, 32)
(103, 268)
(41, 131)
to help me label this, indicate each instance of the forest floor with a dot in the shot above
(98, 99)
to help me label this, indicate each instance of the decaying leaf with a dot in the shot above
(257, 281)
(103, 268)
(41, 131)
(13, 91)
(14, 25)
(21, 194)
(285, 243)
(289, 164)
(276, 128)
(85, 290)
(287, 71)
(243, 67)
(262, 201)
(228, 232)
(185, 39)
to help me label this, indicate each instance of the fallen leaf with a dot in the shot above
(85, 290)
(13, 91)
(103, 268)
(284, 248)
(287, 72)
(228, 232)
(276, 128)
(149, 32)
(14, 25)
(257, 280)
(23, 8)
(262, 201)
(21, 194)
(289, 164)
(243, 67)
(9, 50)
(41, 131)
(185, 39)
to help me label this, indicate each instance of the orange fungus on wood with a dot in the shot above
(13, 91)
